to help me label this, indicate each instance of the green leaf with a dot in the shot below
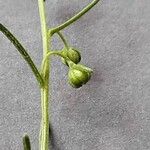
(23, 52)
(26, 142)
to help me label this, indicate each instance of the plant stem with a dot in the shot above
(58, 53)
(44, 135)
(74, 18)
(63, 39)
(46, 34)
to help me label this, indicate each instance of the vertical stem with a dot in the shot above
(44, 133)
(43, 26)
(45, 120)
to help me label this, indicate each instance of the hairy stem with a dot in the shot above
(44, 134)
(74, 18)
(23, 52)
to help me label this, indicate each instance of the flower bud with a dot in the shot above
(72, 54)
(78, 76)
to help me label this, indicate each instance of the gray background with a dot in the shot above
(112, 111)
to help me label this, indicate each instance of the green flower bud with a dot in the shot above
(72, 54)
(64, 52)
(78, 76)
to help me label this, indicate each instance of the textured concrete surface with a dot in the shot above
(111, 112)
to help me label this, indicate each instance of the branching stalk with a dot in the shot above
(43, 76)
(45, 67)
(58, 53)
(74, 18)
(44, 133)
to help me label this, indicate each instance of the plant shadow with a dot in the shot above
(52, 141)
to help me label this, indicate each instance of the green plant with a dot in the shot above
(77, 76)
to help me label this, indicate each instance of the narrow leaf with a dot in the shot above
(26, 142)
(23, 52)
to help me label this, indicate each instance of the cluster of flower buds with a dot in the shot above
(78, 74)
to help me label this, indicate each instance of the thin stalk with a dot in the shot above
(64, 40)
(58, 53)
(74, 18)
(44, 133)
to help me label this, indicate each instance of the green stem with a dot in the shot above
(55, 53)
(23, 52)
(58, 53)
(44, 135)
(64, 40)
(45, 120)
(74, 18)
